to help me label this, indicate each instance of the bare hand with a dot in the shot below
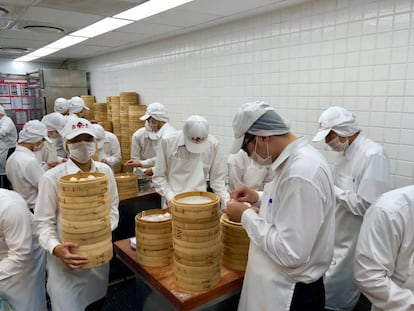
(104, 161)
(53, 163)
(133, 163)
(244, 194)
(72, 261)
(149, 172)
(234, 210)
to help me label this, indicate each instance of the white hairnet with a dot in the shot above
(32, 132)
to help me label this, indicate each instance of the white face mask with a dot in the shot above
(337, 145)
(82, 151)
(258, 159)
(39, 147)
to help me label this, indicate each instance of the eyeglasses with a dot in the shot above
(249, 140)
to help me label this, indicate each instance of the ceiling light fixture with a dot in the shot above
(43, 28)
(105, 25)
(150, 8)
(14, 50)
(65, 42)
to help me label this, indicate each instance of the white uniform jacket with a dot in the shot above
(69, 290)
(384, 259)
(22, 260)
(292, 237)
(178, 170)
(143, 148)
(47, 154)
(24, 172)
(111, 151)
(361, 176)
(8, 139)
(242, 170)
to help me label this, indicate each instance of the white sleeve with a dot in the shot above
(16, 225)
(235, 171)
(378, 244)
(218, 176)
(115, 152)
(113, 192)
(160, 177)
(290, 238)
(136, 149)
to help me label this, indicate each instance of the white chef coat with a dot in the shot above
(144, 148)
(22, 260)
(47, 154)
(69, 289)
(361, 176)
(8, 139)
(292, 237)
(111, 151)
(242, 170)
(384, 259)
(24, 172)
(178, 170)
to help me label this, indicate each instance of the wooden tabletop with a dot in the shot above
(162, 280)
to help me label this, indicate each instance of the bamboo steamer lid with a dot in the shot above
(98, 253)
(149, 225)
(127, 185)
(95, 186)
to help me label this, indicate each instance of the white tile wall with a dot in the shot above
(355, 53)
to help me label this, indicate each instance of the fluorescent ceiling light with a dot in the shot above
(43, 52)
(26, 58)
(65, 42)
(105, 25)
(150, 8)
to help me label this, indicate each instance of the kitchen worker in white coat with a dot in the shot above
(8, 140)
(361, 175)
(22, 260)
(69, 287)
(187, 159)
(53, 153)
(108, 146)
(292, 233)
(62, 106)
(145, 140)
(77, 107)
(384, 258)
(22, 167)
(242, 170)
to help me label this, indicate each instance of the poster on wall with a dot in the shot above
(18, 102)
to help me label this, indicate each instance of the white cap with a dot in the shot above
(100, 134)
(196, 131)
(32, 132)
(76, 126)
(77, 105)
(61, 105)
(54, 121)
(339, 120)
(2, 111)
(257, 118)
(156, 111)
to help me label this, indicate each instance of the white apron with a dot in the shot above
(341, 290)
(75, 289)
(266, 287)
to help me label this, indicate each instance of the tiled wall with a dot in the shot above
(355, 53)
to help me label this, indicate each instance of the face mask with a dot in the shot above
(337, 145)
(38, 148)
(82, 151)
(258, 159)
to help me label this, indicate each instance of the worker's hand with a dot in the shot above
(244, 194)
(133, 163)
(72, 261)
(104, 161)
(53, 163)
(234, 210)
(149, 172)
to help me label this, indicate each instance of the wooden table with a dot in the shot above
(161, 279)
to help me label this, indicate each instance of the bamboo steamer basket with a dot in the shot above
(183, 208)
(235, 244)
(195, 235)
(196, 284)
(154, 239)
(127, 185)
(203, 262)
(83, 188)
(189, 271)
(85, 216)
(186, 224)
(196, 245)
(98, 253)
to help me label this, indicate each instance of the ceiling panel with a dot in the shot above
(72, 15)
